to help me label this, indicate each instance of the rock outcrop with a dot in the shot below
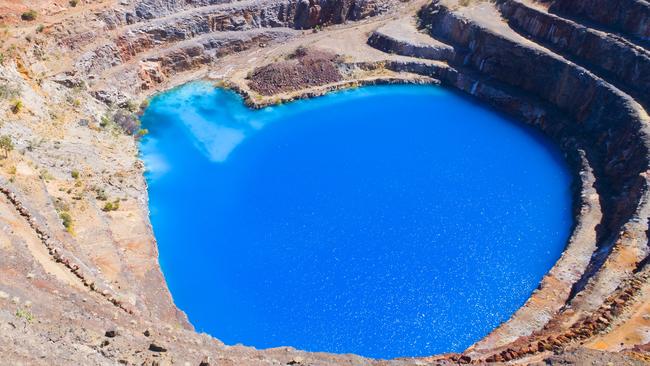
(627, 16)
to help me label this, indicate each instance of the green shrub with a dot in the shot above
(66, 219)
(144, 105)
(40, 28)
(75, 174)
(21, 313)
(6, 144)
(112, 206)
(127, 121)
(44, 174)
(29, 15)
(17, 106)
(73, 3)
(105, 121)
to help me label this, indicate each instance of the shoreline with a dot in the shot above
(582, 191)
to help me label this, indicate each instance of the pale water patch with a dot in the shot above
(214, 140)
(216, 133)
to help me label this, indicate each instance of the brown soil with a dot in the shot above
(305, 67)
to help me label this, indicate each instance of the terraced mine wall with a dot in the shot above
(627, 16)
(626, 65)
(607, 123)
(168, 37)
(586, 89)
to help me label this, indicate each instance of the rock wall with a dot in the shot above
(168, 37)
(386, 43)
(299, 14)
(627, 65)
(627, 16)
(204, 51)
(598, 111)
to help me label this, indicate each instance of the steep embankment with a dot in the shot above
(80, 279)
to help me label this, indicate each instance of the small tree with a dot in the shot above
(6, 144)
(66, 219)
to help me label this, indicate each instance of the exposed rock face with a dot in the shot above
(591, 357)
(403, 38)
(151, 9)
(627, 16)
(626, 65)
(191, 55)
(173, 36)
(301, 14)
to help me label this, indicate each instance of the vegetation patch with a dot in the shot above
(6, 144)
(29, 15)
(17, 106)
(111, 206)
(100, 194)
(24, 314)
(66, 220)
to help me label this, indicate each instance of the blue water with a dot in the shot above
(384, 221)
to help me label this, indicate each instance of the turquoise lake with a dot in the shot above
(384, 221)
